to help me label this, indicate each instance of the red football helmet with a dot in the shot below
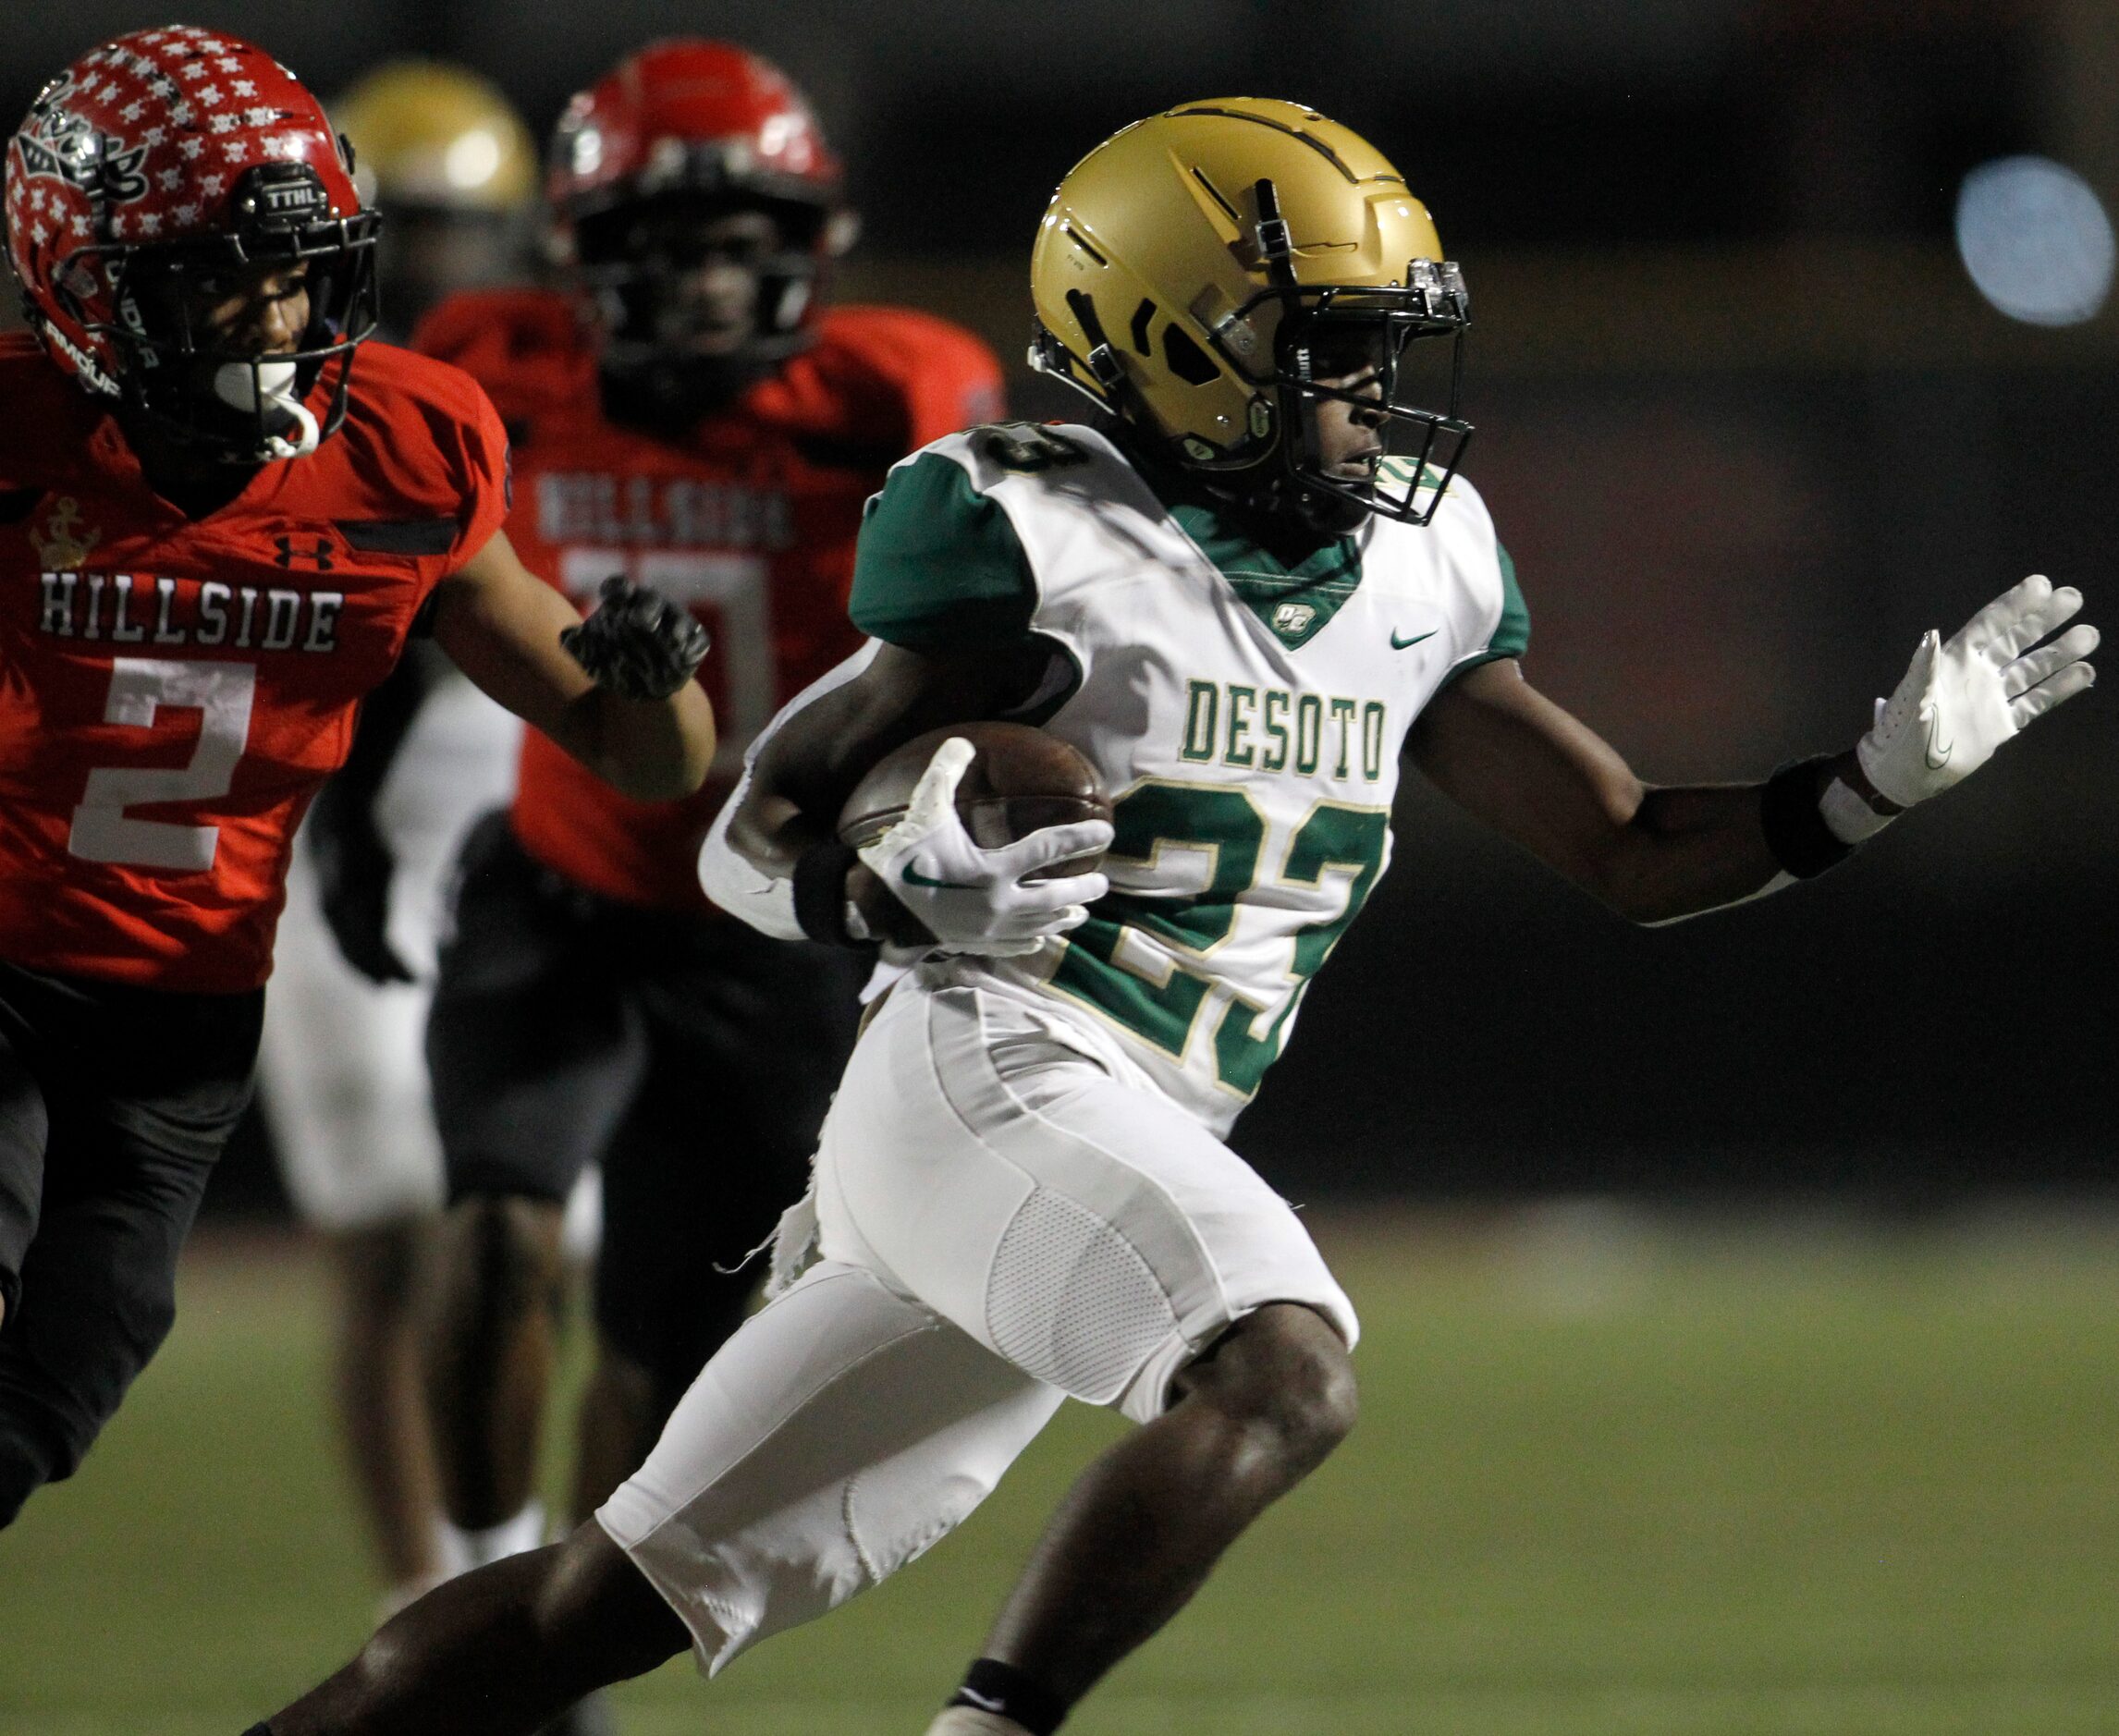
(707, 124)
(152, 164)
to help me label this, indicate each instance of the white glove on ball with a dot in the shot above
(1961, 700)
(981, 900)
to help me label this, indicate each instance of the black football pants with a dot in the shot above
(114, 1102)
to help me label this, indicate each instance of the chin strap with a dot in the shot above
(268, 388)
(1120, 396)
(1276, 245)
(307, 433)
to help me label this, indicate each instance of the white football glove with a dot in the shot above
(1961, 700)
(982, 900)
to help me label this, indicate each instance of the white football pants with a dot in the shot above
(342, 1069)
(1007, 1213)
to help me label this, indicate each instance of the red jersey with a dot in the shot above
(749, 520)
(172, 691)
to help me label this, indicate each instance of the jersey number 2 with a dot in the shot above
(222, 694)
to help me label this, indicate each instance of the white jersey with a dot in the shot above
(1246, 720)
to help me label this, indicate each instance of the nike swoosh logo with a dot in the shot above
(1405, 644)
(1938, 757)
(913, 878)
(980, 1700)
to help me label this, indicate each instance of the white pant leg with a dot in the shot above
(1080, 1224)
(342, 1078)
(342, 1065)
(456, 764)
(840, 1434)
(1000, 1219)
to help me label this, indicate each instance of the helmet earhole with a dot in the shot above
(1186, 360)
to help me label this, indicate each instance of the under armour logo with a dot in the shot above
(319, 557)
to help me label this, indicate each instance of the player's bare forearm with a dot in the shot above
(1688, 849)
(651, 749)
(1503, 752)
(501, 625)
(813, 761)
(805, 771)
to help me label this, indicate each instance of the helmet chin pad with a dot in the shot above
(268, 393)
(255, 386)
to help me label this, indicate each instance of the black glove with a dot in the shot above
(353, 872)
(638, 643)
(353, 863)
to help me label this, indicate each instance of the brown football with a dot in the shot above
(1022, 781)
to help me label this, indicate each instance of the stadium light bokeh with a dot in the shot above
(2035, 240)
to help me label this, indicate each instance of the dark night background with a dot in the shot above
(1748, 430)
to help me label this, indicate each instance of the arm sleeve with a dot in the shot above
(729, 877)
(939, 563)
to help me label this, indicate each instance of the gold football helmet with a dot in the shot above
(428, 134)
(1194, 270)
(452, 168)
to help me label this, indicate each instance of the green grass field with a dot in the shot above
(1610, 1477)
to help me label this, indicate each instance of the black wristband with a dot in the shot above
(820, 892)
(993, 1686)
(1793, 823)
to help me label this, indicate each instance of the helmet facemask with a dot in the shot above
(242, 405)
(661, 346)
(1374, 339)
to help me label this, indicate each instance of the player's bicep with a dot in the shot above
(500, 625)
(1503, 752)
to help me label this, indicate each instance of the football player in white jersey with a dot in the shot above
(1243, 592)
(342, 1068)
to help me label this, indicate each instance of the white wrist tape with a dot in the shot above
(1848, 816)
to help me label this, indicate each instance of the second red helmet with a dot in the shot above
(643, 163)
(685, 114)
